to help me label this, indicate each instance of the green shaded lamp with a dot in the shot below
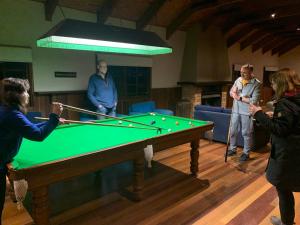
(80, 35)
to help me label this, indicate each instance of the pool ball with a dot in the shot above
(169, 130)
(120, 122)
(130, 125)
(177, 123)
(163, 119)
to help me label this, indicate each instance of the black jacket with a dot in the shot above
(283, 168)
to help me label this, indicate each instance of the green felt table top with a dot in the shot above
(72, 139)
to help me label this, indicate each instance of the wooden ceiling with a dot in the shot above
(248, 22)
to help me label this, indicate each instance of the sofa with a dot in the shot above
(148, 106)
(221, 118)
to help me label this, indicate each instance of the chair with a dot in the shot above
(149, 106)
(30, 116)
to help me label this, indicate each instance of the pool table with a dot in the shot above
(74, 149)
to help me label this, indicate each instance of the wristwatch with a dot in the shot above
(241, 98)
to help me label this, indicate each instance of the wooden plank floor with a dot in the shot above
(238, 194)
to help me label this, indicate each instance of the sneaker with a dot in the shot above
(275, 220)
(231, 153)
(244, 157)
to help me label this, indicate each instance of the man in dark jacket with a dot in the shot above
(283, 170)
(102, 91)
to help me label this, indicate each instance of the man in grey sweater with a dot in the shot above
(245, 90)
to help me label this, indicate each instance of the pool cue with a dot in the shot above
(72, 108)
(97, 124)
(229, 133)
(228, 138)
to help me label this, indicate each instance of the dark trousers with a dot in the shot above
(2, 191)
(286, 206)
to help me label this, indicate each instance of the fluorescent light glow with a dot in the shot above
(101, 46)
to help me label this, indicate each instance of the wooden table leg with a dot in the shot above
(194, 157)
(40, 209)
(138, 178)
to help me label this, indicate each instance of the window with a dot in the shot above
(131, 81)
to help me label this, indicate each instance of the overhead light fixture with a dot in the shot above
(298, 29)
(81, 35)
(273, 15)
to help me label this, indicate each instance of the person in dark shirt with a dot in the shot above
(283, 170)
(14, 125)
(102, 91)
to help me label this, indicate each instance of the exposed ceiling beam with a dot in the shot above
(261, 42)
(288, 48)
(219, 16)
(50, 6)
(269, 40)
(262, 15)
(272, 44)
(278, 29)
(105, 10)
(232, 39)
(149, 13)
(282, 46)
(196, 7)
(257, 35)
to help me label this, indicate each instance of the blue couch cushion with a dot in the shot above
(224, 110)
(208, 108)
(135, 113)
(164, 111)
(221, 124)
(142, 107)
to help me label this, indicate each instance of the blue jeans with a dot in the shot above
(245, 124)
(106, 111)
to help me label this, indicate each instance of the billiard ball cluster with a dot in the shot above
(164, 119)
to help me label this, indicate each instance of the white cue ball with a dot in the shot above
(120, 122)
(130, 125)
(169, 130)
(163, 118)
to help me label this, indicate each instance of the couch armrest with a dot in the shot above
(135, 113)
